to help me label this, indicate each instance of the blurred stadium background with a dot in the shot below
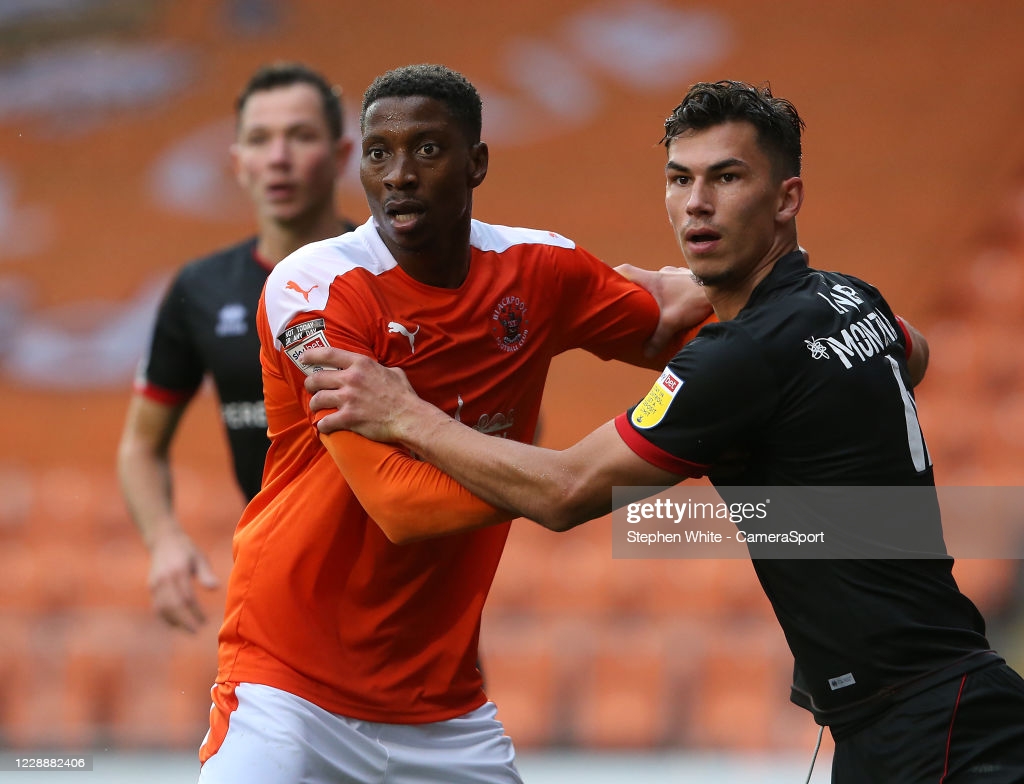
(115, 116)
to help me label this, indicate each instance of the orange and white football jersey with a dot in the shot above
(320, 603)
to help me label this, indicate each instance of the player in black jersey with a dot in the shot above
(805, 383)
(288, 154)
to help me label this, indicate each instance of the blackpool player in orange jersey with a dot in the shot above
(348, 651)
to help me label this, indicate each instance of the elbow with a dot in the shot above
(130, 453)
(395, 525)
(560, 524)
(920, 366)
(554, 522)
(563, 516)
(572, 505)
(403, 522)
(123, 456)
(135, 448)
(398, 532)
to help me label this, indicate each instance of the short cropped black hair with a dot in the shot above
(439, 82)
(285, 74)
(778, 125)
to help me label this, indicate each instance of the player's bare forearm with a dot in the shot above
(558, 489)
(145, 476)
(143, 466)
(536, 483)
(378, 403)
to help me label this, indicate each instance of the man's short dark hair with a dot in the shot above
(442, 84)
(285, 74)
(712, 103)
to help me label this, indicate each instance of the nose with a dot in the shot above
(401, 173)
(280, 151)
(699, 200)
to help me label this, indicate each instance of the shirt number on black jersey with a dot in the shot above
(915, 438)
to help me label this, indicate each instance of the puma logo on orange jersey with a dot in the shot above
(293, 286)
(394, 326)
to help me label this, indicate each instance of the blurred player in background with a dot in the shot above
(288, 154)
(889, 654)
(348, 651)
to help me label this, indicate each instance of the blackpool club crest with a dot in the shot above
(509, 323)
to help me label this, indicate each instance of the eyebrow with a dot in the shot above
(416, 136)
(728, 163)
(291, 126)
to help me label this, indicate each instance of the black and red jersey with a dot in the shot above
(808, 386)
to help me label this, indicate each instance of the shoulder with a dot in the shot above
(834, 289)
(801, 301)
(819, 300)
(726, 346)
(817, 317)
(321, 262)
(719, 379)
(230, 257)
(302, 281)
(539, 252)
(204, 281)
(845, 279)
(498, 239)
(727, 358)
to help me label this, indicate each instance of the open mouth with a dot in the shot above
(403, 215)
(701, 235)
(403, 218)
(701, 239)
(280, 191)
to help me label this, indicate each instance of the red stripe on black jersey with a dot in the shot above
(653, 454)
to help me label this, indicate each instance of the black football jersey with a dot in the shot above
(808, 386)
(207, 324)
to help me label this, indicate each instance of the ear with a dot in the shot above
(342, 153)
(236, 164)
(791, 198)
(478, 159)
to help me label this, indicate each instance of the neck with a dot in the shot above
(729, 298)
(426, 269)
(277, 240)
(443, 264)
